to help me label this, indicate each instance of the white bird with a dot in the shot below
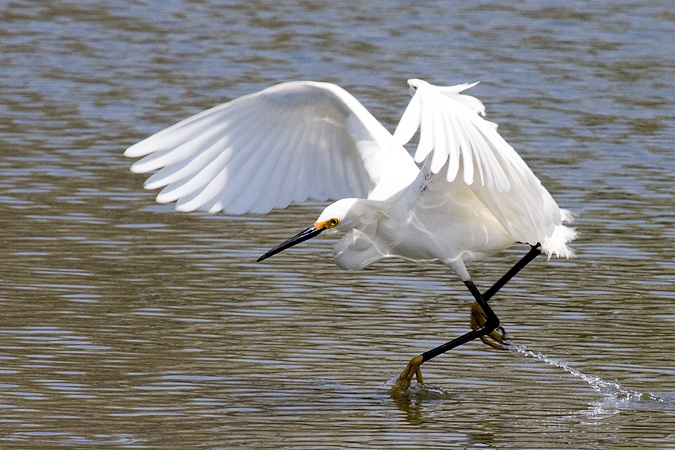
(465, 195)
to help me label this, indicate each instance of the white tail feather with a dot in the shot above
(556, 243)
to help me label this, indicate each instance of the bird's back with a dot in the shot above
(449, 222)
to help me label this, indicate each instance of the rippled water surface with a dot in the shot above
(127, 324)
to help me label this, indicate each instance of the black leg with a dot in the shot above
(533, 253)
(490, 323)
(488, 327)
(497, 338)
(413, 367)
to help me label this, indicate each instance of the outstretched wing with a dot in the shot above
(471, 151)
(451, 126)
(288, 143)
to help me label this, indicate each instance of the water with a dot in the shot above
(127, 325)
(610, 389)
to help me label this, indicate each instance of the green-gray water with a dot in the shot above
(126, 324)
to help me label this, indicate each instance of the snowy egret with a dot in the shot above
(464, 195)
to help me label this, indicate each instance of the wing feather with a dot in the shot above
(471, 151)
(285, 144)
(275, 171)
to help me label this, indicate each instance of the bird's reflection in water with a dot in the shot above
(413, 401)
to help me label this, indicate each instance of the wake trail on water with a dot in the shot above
(610, 389)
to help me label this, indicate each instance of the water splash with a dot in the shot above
(611, 389)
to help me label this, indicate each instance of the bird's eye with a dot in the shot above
(333, 223)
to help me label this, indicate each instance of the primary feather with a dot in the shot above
(288, 143)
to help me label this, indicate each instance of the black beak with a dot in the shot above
(305, 234)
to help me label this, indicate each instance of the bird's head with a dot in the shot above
(334, 216)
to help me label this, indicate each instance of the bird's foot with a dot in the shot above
(497, 339)
(411, 370)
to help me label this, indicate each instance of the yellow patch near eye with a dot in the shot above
(331, 223)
